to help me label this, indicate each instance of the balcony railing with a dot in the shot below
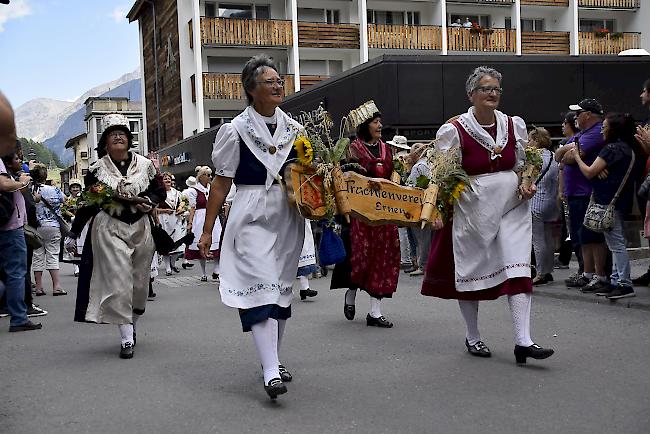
(488, 2)
(394, 36)
(217, 85)
(487, 40)
(545, 43)
(610, 4)
(563, 3)
(611, 43)
(323, 35)
(232, 31)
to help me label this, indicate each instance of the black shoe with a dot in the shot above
(151, 295)
(175, 269)
(534, 352)
(323, 271)
(25, 327)
(134, 337)
(126, 351)
(621, 291)
(548, 277)
(34, 310)
(378, 322)
(576, 281)
(304, 293)
(606, 290)
(215, 276)
(187, 265)
(284, 374)
(642, 280)
(410, 269)
(479, 349)
(349, 311)
(595, 286)
(168, 273)
(275, 387)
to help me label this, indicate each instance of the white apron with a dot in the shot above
(261, 248)
(308, 254)
(492, 232)
(172, 223)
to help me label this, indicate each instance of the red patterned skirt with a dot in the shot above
(440, 274)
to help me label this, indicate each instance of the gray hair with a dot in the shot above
(255, 67)
(475, 77)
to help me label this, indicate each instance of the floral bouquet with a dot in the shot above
(102, 196)
(69, 207)
(443, 189)
(183, 205)
(400, 170)
(318, 150)
(532, 167)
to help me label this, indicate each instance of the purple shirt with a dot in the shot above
(19, 217)
(591, 142)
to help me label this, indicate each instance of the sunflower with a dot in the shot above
(456, 192)
(305, 150)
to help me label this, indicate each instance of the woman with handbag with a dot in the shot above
(123, 187)
(612, 196)
(48, 205)
(544, 207)
(484, 252)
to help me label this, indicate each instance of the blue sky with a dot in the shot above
(61, 48)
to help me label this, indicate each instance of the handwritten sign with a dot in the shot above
(374, 201)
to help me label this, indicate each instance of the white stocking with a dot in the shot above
(282, 323)
(126, 331)
(265, 335)
(375, 307)
(216, 267)
(350, 295)
(520, 311)
(304, 282)
(202, 263)
(469, 310)
(168, 264)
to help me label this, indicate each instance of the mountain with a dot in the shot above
(42, 118)
(39, 118)
(74, 124)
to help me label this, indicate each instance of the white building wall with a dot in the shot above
(187, 10)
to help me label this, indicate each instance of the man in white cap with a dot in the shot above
(400, 148)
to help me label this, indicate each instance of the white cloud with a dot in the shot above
(119, 14)
(15, 9)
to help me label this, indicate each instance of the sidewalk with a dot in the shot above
(558, 290)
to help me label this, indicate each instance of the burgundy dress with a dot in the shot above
(439, 279)
(375, 253)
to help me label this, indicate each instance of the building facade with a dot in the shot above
(81, 153)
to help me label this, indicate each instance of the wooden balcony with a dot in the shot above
(545, 43)
(323, 35)
(310, 80)
(404, 37)
(218, 85)
(563, 3)
(489, 40)
(612, 43)
(231, 31)
(610, 4)
(490, 2)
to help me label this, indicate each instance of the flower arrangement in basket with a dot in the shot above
(443, 189)
(532, 166)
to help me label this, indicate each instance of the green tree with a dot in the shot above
(40, 153)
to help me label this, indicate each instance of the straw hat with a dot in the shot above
(361, 114)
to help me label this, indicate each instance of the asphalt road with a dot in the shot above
(195, 371)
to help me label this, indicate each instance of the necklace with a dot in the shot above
(489, 126)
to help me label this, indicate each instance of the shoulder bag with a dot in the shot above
(64, 226)
(600, 218)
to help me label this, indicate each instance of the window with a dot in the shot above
(532, 25)
(84, 172)
(134, 127)
(98, 125)
(218, 121)
(412, 18)
(332, 16)
(594, 25)
(84, 155)
(460, 20)
(385, 17)
(244, 11)
(210, 10)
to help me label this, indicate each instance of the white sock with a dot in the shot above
(520, 311)
(126, 331)
(588, 275)
(375, 307)
(76, 269)
(350, 295)
(265, 335)
(216, 267)
(282, 323)
(168, 264)
(304, 282)
(202, 264)
(469, 310)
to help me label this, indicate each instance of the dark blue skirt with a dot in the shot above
(254, 315)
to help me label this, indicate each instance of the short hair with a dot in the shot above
(363, 130)
(255, 67)
(620, 127)
(475, 77)
(39, 173)
(541, 136)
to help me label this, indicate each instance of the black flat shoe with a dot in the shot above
(479, 349)
(215, 276)
(176, 270)
(378, 322)
(304, 293)
(284, 374)
(186, 266)
(534, 352)
(275, 387)
(126, 351)
(349, 311)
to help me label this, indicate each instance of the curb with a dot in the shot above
(629, 303)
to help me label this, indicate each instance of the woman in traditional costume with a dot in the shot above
(484, 252)
(114, 278)
(264, 235)
(188, 194)
(198, 203)
(373, 255)
(171, 221)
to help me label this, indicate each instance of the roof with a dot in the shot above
(73, 140)
(134, 13)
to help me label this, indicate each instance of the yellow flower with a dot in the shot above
(305, 150)
(456, 192)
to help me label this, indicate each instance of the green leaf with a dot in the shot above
(422, 182)
(340, 148)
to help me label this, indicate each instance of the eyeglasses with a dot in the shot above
(489, 90)
(115, 134)
(271, 83)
